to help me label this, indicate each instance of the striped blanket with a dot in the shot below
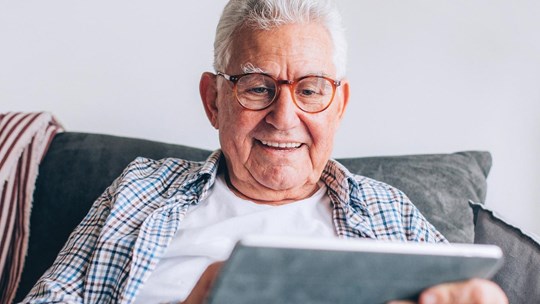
(24, 139)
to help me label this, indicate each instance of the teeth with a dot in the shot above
(281, 145)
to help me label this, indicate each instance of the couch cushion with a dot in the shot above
(440, 185)
(519, 276)
(79, 166)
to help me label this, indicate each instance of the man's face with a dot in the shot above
(277, 153)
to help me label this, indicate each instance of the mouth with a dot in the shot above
(280, 145)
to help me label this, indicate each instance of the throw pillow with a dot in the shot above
(440, 185)
(519, 276)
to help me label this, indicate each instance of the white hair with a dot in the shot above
(268, 14)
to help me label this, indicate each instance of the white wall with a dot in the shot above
(427, 77)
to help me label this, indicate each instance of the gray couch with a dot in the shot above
(79, 166)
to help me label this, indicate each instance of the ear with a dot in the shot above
(344, 96)
(208, 91)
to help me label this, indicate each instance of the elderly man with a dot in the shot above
(277, 98)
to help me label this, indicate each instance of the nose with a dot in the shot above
(283, 114)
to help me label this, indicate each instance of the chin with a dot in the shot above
(284, 180)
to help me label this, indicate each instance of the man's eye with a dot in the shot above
(258, 90)
(308, 92)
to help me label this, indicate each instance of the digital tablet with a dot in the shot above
(265, 269)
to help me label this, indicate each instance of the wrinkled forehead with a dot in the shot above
(292, 49)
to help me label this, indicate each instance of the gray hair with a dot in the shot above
(268, 14)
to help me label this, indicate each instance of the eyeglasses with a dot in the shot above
(257, 91)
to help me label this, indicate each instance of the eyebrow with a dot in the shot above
(319, 73)
(249, 67)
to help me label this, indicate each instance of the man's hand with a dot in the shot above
(467, 292)
(202, 288)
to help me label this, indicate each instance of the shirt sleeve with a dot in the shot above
(63, 282)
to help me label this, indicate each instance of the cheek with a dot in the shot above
(322, 131)
(236, 128)
(322, 134)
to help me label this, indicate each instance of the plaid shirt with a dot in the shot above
(119, 242)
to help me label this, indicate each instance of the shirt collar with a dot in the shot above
(339, 180)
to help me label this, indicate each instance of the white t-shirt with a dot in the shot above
(210, 230)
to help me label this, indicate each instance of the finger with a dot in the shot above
(471, 291)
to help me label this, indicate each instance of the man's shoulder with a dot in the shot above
(171, 174)
(148, 179)
(143, 167)
(365, 182)
(375, 192)
(366, 185)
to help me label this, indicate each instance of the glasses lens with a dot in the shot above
(314, 94)
(255, 91)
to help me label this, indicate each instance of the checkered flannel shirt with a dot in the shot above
(114, 249)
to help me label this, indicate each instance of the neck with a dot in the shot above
(272, 197)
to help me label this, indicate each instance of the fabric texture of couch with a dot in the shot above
(79, 166)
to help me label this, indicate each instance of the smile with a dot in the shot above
(289, 145)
